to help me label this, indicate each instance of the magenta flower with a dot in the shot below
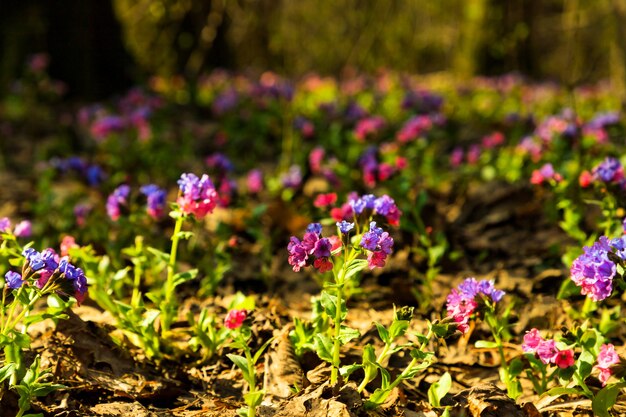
(197, 195)
(546, 350)
(254, 181)
(313, 249)
(235, 318)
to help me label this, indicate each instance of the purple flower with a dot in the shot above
(593, 271)
(35, 261)
(156, 199)
(314, 228)
(322, 248)
(117, 200)
(13, 280)
(5, 224)
(369, 240)
(609, 170)
(344, 226)
(292, 178)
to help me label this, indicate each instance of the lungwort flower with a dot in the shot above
(468, 297)
(197, 195)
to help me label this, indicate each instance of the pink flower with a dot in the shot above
(235, 318)
(564, 358)
(532, 339)
(23, 229)
(68, 243)
(606, 359)
(547, 351)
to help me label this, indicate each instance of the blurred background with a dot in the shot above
(100, 47)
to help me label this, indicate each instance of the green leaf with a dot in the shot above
(164, 257)
(354, 267)
(242, 363)
(7, 370)
(346, 371)
(398, 328)
(605, 399)
(323, 347)
(485, 344)
(383, 333)
(439, 389)
(182, 277)
(347, 333)
(259, 352)
(254, 398)
(329, 302)
(584, 364)
(558, 391)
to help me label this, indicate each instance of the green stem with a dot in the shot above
(339, 283)
(167, 312)
(336, 343)
(138, 272)
(252, 381)
(413, 362)
(492, 322)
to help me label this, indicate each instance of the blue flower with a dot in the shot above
(13, 280)
(344, 226)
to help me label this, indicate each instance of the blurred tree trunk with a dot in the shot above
(467, 57)
(618, 49)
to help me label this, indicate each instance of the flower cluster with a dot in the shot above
(374, 171)
(606, 359)
(378, 243)
(45, 266)
(368, 127)
(609, 171)
(90, 173)
(197, 195)
(464, 300)
(312, 249)
(593, 271)
(544, 174)
(414, 128)
(368, 205)
(546, 350)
